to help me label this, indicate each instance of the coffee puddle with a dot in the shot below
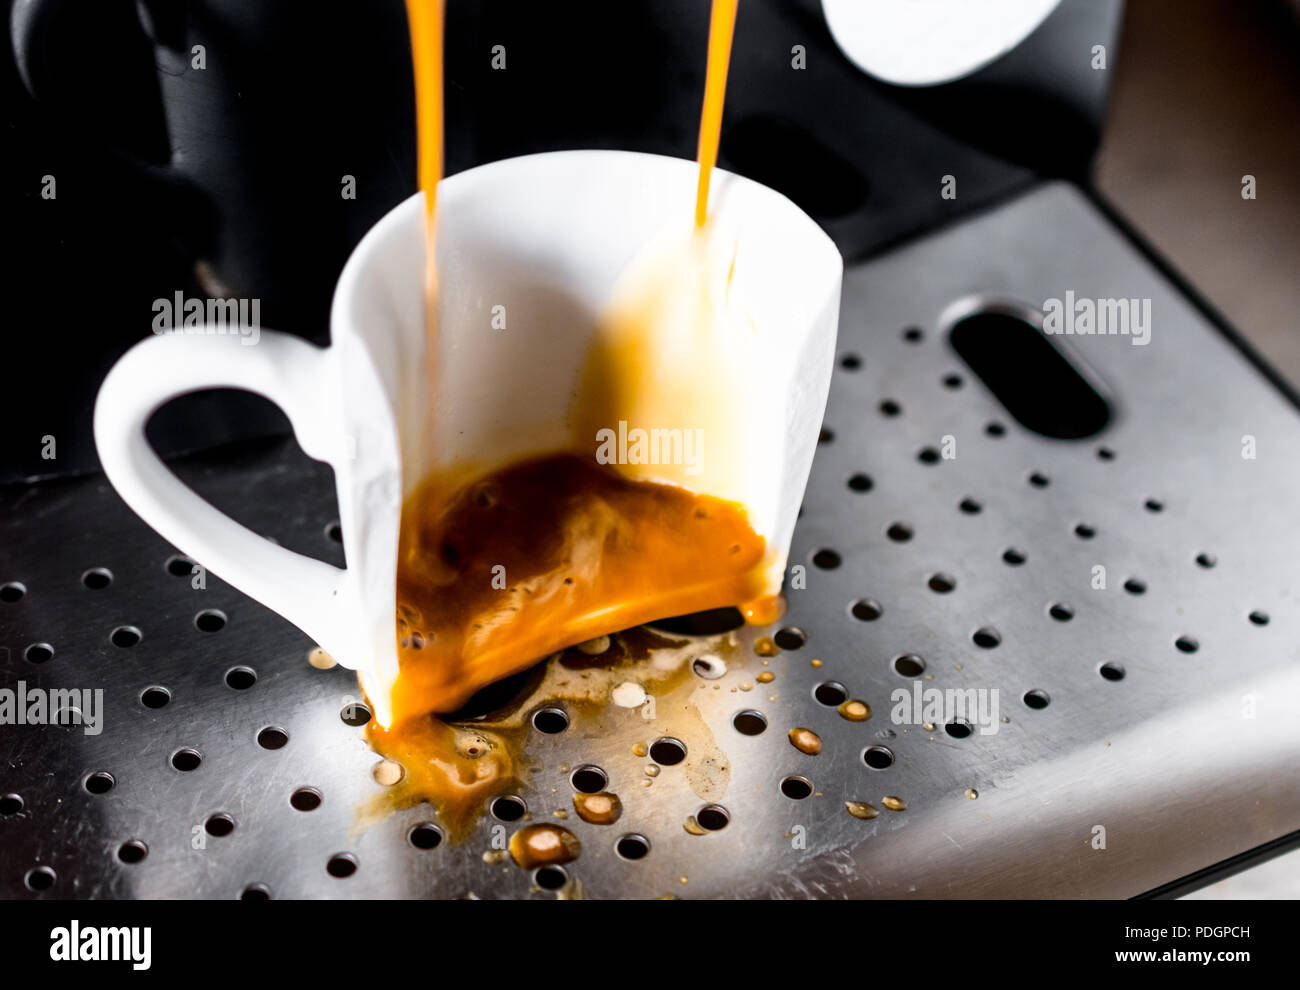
(458, 767)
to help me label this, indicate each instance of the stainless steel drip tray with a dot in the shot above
(1143, 730)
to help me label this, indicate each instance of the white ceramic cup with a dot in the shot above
(530, 250)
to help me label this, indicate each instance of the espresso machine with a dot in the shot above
(976, 469)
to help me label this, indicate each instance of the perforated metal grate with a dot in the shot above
(1144, 730)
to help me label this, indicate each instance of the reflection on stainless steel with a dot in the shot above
(1140, 763)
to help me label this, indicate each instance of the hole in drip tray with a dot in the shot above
(866, 610)
(942, 583)
(39, 653)
(796, 788)
(550, 721)
(508, 808)
(219, 825)
(832, 694)
(1037, 698)
(179, 566)
(1007, 349)
(899, 532)
(713, 817)
(632, 847)
(155, 697)
(341, 865)
(666, 752)
(210, 620)
(241, 678)
(790, 638)
(132, 851)
(272, 737)
(550, 877)
(592, 779)
(305, 799)
(125, 637)
(826, 559)
(355, 714)
(97, 578)
(878, 757)
(1060, 611)
(909, 665)
(426, 835)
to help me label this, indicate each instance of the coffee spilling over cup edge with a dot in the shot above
(499, 568)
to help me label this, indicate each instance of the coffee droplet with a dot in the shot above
(544, 844)
(693, 827)
(894, 803)
(321, 660)
(764, 646)
(972, 793)
(766, 677)
(928, 726)
(494, 856)
(598, 809)
(594, 647)
(806, 741)
(561, 814)
(652, 770)
(639, 749)
(860, 809)
(815, 663)
(763, 611)
(855, 711)
(387, 772)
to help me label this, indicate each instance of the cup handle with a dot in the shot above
(294, 374)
